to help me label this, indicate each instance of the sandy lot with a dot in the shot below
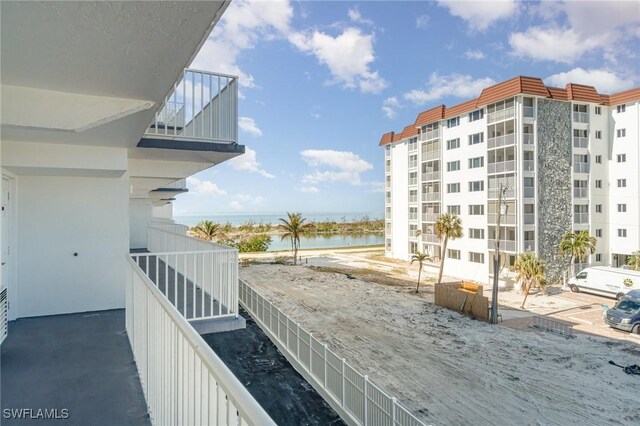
(450, 369)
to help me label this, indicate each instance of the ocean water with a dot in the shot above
(306, 241)
(274, 218)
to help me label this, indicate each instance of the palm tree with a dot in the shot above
(530, 271)
(577, 245)
(207, 230)
(420, 258)
(448, 226)
(292, 228)
(634, 260)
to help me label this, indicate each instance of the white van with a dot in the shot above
(612, 282)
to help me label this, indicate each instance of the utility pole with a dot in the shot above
(496, 260)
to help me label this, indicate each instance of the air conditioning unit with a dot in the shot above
(4, 315)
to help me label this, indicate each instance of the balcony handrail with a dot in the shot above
(202, 106)
(158, 238)
(154, 362)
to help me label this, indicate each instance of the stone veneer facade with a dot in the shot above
(554, 183)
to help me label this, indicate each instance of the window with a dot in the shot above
(622, 233)
(388, 244)
(453, 210)
(476, 162)
(598, 208)
(453, 187)
(621, 133)
(476, 234)
(476, 209)
(598, 110)
(598, 134)
(477, 138)
(622, 183)
(622, 208)
(622, 158)
(599, 233)
(621, 108)
(453, 166)
(598, 183)
(453, 122)
(476, 257)
(598, 159)
(453, 254)
(453, 143)
(598, 257)
(413, 144)
(477, 185)
(476, 115)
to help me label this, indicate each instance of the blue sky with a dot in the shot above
(322, 81)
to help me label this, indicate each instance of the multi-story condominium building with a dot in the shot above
(567, 159)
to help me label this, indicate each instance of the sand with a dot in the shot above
(449, 369)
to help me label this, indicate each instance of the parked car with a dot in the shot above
(625, 315)
(612, 282)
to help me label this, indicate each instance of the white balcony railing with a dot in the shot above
(183, 380)
(580, 192)
(430, 176)
(581, 167)
(432, 134)
(413, 216)
(581, 117)
(179, 184)
(503, 114)
(501, 167)
(529, 245)
(413, 164)
(504, 140)
(579, 142)
(528, 165)
(527, 138)
(506, 219)
(413, 181)
(581, 218)
(202, 106)
(430, 217)
(430, 196)
(505, 245)
(430, 238)
(430, 155)
(412, 199)
(529, 219)
(494, 193)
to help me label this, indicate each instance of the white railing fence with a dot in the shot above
(176, 228)
(201, 106)
(183, 380)
(200, 284)
(171, 239)
(363, 401)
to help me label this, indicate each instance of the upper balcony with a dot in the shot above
(500, 115)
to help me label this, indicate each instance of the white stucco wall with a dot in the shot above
(140, 214)
(60, 216)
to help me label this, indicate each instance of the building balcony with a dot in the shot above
(505, 245)
(529, 245)
(580, 192)
(529, 192)
(506, 219)
(529, 219)
(431, 176)
(413, 181)
(581, 167)
(503, 114)
(413, 217)
(430, 217)
(527, 111)
(430, 155)
(430, 135)
(494, 193)
(579, 142)
(201, 107)
(501, 167)
(528, 165)
(430, 238)
(499, 141)
(580, 117)
(412, 199)
(581, 218)
(430, 196)
(527, 138)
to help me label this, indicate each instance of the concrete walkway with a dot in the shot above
(81, 363)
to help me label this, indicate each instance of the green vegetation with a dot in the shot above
(577, 245)
(254, 236)
(530, 272)
(634, 261)
(420, 258)
(448, 227)
(293, 227)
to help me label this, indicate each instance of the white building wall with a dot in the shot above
(140, 216)
(599, 172)
(62, 216)
(400, 200)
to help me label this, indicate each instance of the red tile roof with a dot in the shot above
(626, 96)
(430, 116)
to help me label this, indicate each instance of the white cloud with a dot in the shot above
(474, 54)
(242, 25)
(422, 21)
(604, 81)
(249, 125)
(355, 16)
(390, 105)
(376, 186)
(344, 166)
(348, 57)
(311, 189)
(247, 162)
(458, 85)
(242, 200)
(480, 14)
(203, 187)
(552, 44)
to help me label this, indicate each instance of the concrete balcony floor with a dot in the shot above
(79, 362)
